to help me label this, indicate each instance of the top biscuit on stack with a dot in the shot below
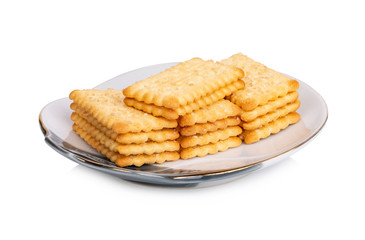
(183, 88)
(269, 100)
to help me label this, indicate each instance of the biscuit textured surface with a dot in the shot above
(184, 83)
(248, 116)
(129, 149)
(108, 108)
(211, 137)
(157, 111)
(272, 116)
(212, 148)
(202, 128)
(271, 128)
(122, 160)
(170, 113)
(87, 121)
(262, 83)
(218, 110)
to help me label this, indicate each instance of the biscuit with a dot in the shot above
(146, 148)
(272, 116)
(169, 113)
(218, 110)
(82, 119)
(211, 137)
(262, 83)
(211, 148)
(269, 107)
(108, 108)
(123, 161)
(202, 128)
(271, 128)
(184, 83)
(130, 149)
(154, 136)
(139, 160)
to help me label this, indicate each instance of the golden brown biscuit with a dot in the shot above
(169, 113)
(271, 128)
(211, 137)
(108, 108)
(216, 111)
(262, 83)
(184, 83)
(272, 116)
(248, 116)
(202, 128)
(82, 118)
(130, 149)
(211, 148)
(123, 161)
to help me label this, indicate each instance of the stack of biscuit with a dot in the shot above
(269, 99)
(210, 130)
(181, 111)
(184, 88)
(124, 135)
(193, 88)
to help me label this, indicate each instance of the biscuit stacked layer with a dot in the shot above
(184, 88)
(210, 130)
(125, 135)
(269, 99)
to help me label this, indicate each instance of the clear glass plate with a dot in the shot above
(56, 126)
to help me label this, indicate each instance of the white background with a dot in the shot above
(49, 48)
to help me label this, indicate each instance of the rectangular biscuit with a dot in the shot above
(146, 148)
(83, 119)
(248, 116)
(123, 161)
(211, 137)
(202, 128)
(153, 136)
(271, 128)
(170, 113)
(184, 83)
(272, 116)
(262, 83)
(129, 149)
(211, 148)
(108, 108)
(216, 111)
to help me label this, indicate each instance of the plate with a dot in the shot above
(56, 126)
